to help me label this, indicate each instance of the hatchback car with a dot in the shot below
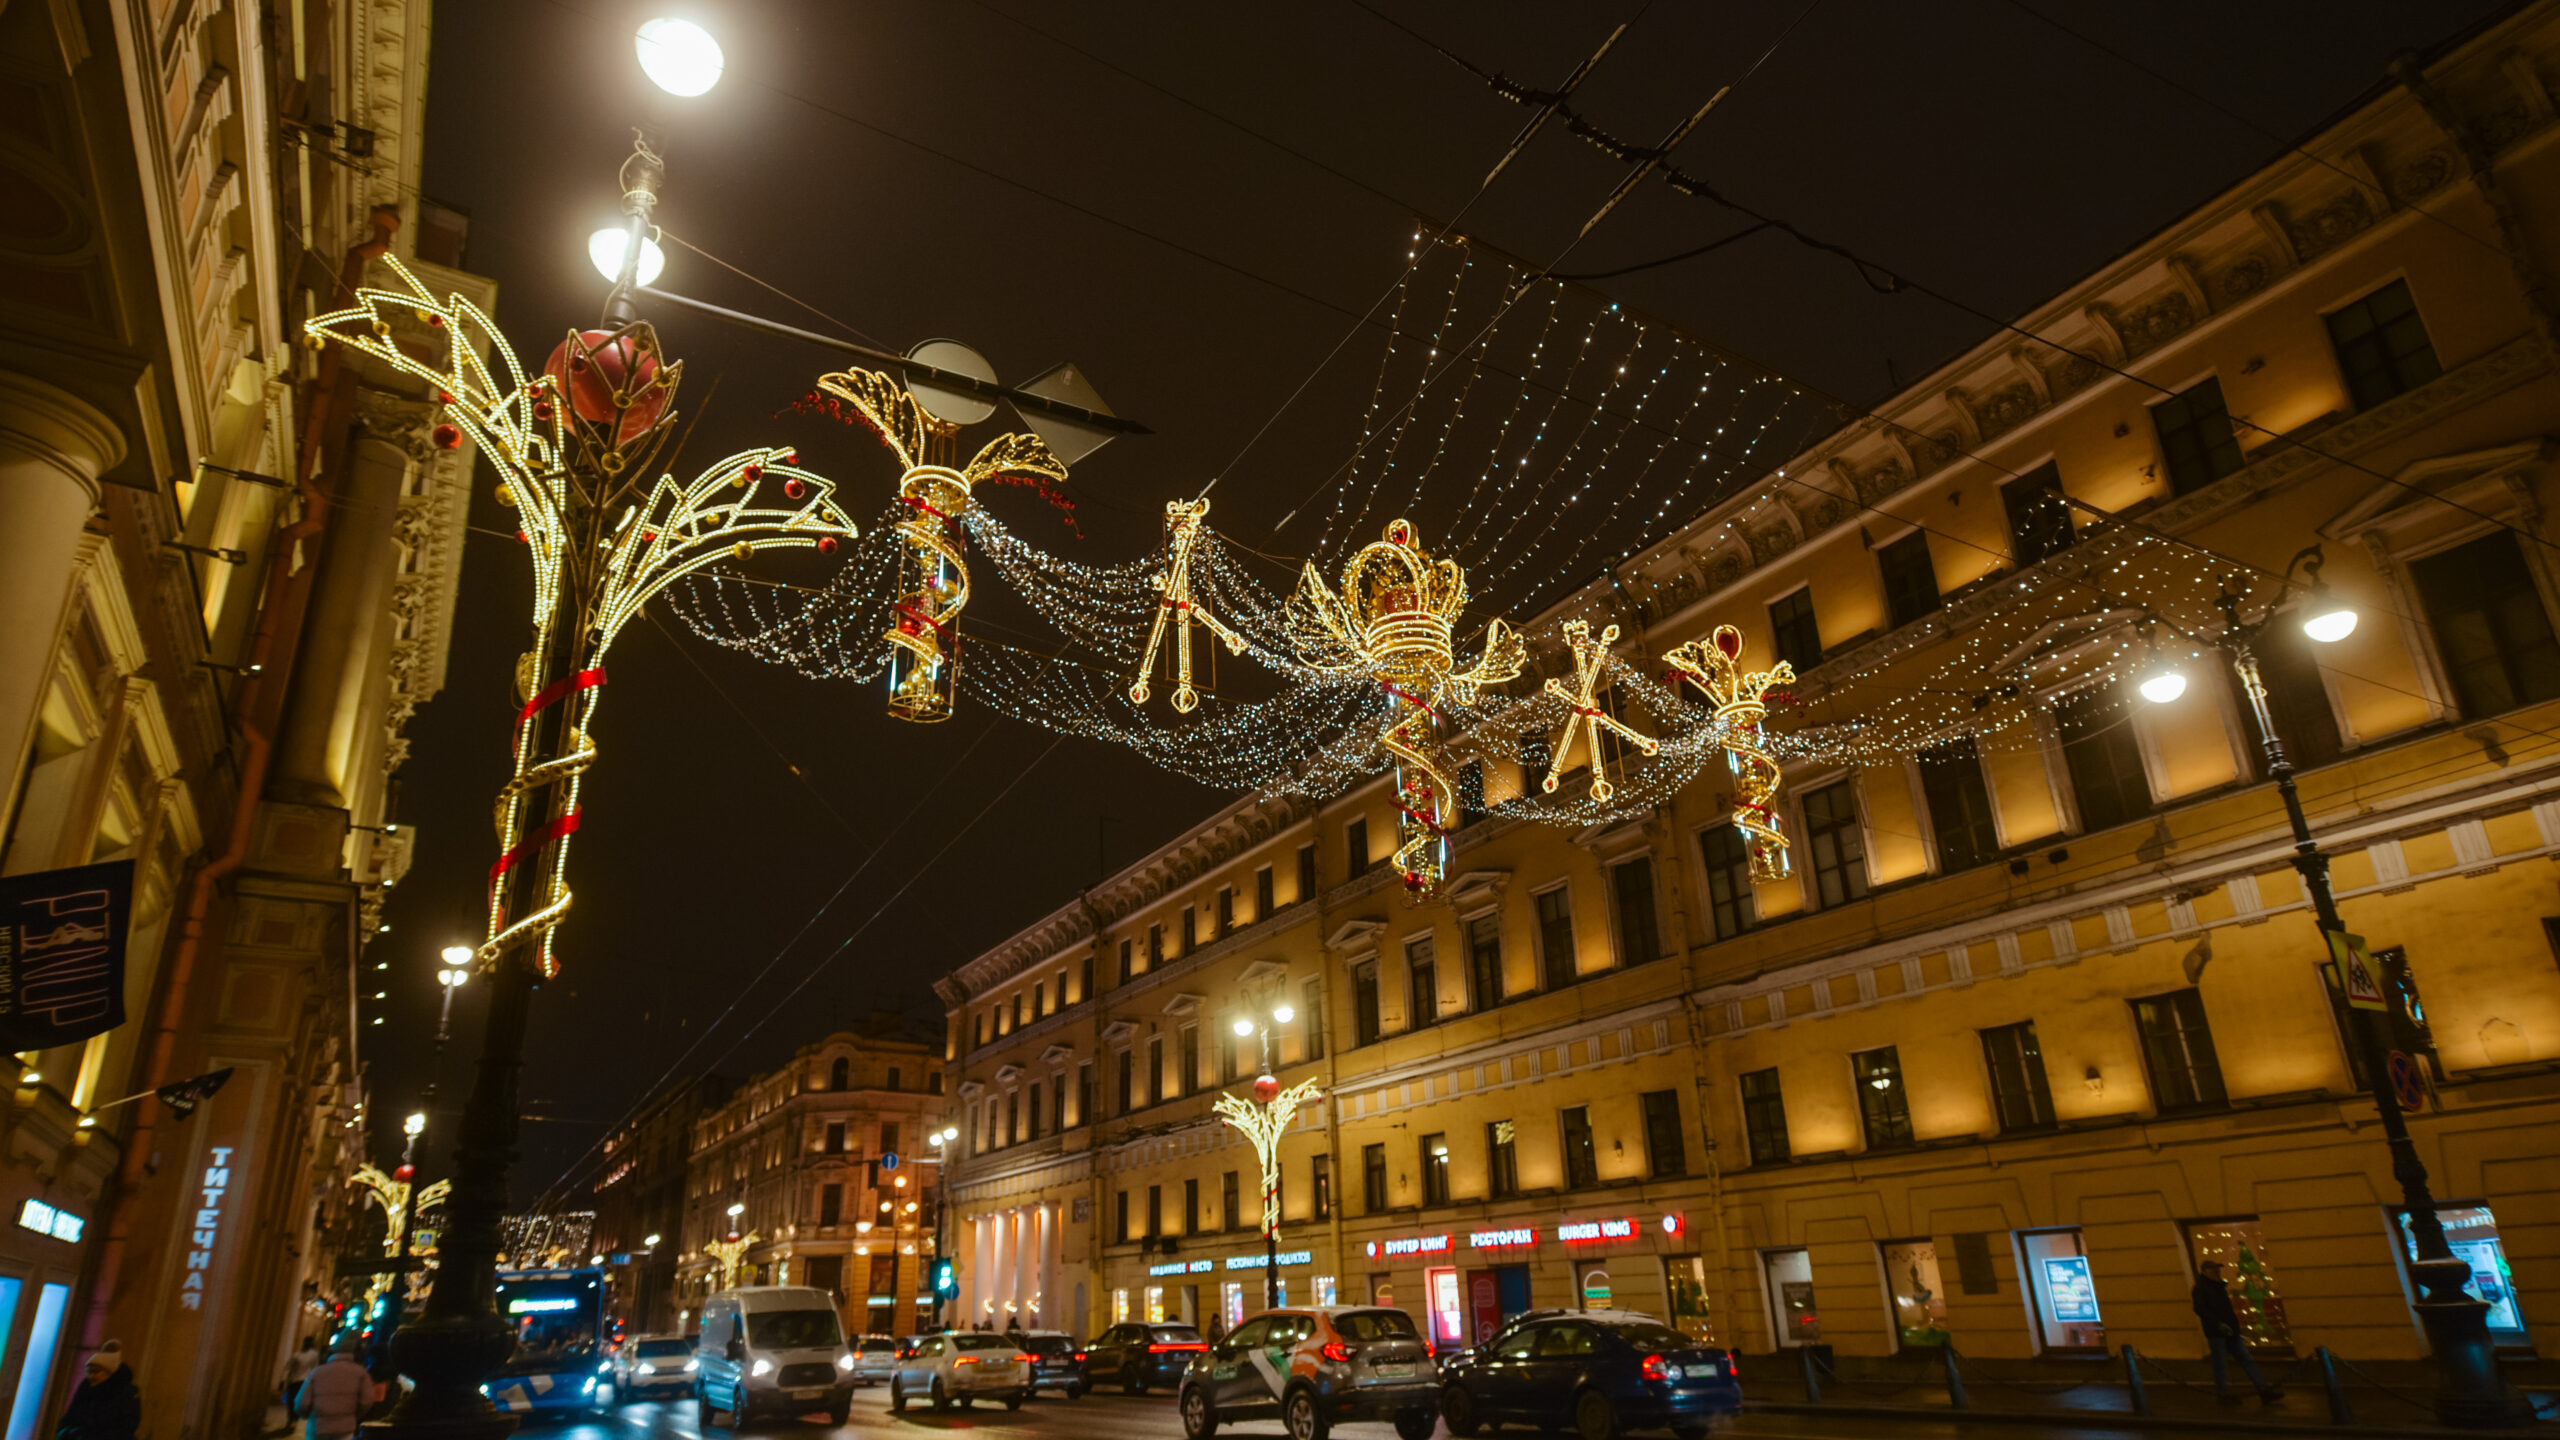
(1056, 1362)
(1600, 1372)
(1313, 1369)
(649, 1365)
(875, 1357)
(1140, 1357)
(959, 1368)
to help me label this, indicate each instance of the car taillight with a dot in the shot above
(1028, 1359)
(1336, 1351)
(1654, 1369)
(1167, 1349)
(1079, 1357)
(1732, 1365)
(966, 1360)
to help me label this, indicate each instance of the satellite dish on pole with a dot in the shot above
(1069, 439)
(953, 407)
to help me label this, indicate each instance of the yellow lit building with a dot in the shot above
(2034, 1026)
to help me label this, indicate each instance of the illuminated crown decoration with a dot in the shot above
(1176, 602)
(1589, 659)
(1741, 703)
(1391, 621)
(933, 578)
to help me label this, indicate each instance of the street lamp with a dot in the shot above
(679, 56)
(1263, 1119)
(2470, 1390)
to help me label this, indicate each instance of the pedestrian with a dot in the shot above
(106, 1406)
(298, 1367)
(336, 1396)
(2222, 1335)
(1217, 1328)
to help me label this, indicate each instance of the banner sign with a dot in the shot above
(62, 938)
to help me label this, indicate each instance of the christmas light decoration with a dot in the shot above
(1263, 1120)
(726, 1253)
(391, 1193)
(1182, 533)
(1588, 659)
(1741, 703)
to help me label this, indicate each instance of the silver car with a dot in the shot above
(960, 1368)
(875, 1358)
(649, 1365)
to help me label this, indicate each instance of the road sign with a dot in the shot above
(2355, 973)
(889, 1161)
(2405, 1082)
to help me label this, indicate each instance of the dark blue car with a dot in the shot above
(1601, 1373)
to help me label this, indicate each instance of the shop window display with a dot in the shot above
(1919, 1300)
(2240, 1246)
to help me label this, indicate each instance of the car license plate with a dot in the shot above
(808, 1394)
(1392, 1367)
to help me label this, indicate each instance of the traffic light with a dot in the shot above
(946, 1278)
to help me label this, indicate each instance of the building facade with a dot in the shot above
(640, 1202)
(825, 1174)
(2034, 1026)
(231, 567)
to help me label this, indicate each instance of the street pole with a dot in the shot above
(2470, 1390)
(1270, 1203)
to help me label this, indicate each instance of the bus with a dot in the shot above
(560, 1362)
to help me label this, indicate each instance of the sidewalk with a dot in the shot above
(2382, 1398)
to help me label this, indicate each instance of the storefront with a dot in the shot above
(1462, 1284)
(1227, 1287)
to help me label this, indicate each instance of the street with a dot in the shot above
(1152, 1417)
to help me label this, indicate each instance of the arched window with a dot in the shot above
(840, 1075)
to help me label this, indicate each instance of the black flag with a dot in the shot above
(181, 1096)
(62, 938)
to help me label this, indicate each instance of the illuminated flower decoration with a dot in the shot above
(1263, 1120)
(1741, 703)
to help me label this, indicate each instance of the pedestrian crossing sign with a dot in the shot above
(2351, 969)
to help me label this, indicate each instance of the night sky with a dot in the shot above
(1193, 203)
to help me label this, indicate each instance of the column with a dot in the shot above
(53, 448)
(1000, 1273)
(318, 747)
(1053, 1301)
(1026, 1242)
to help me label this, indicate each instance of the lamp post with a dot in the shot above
(2470, 1389)
(1263, 1119)
(942, 1141)
(576, 446)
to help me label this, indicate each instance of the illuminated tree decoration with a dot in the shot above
(1741, 704)
(571, 445)
(726, 1253)
(1588, 661)
(1264, 1119)
(1391, 621)
(1176, 602)
(933, 580)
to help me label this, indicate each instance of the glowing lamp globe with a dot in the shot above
(605, 249)
(2162, 686)
(601, 375)
(1266, 1089)
(679, 56)
(2329, 623)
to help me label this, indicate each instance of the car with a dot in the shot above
(960, 1368)
(1602, 1373)
(771, 1350)
(1057, 1362)
(1314, 1368)
(647, 1365)
(1138, 1356)
(875, 1357)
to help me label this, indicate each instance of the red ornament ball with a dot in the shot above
(790, 457)
(754, 472)
(1730, 642)
(594, 368)
(1266, 1089)
(447, 437)
(404, 1172)
(542, 411)
(794, 489)
(826, 544)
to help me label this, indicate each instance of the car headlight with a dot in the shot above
(605, 1369)
(648, 1369)
(692, 1365)
(761, 1367)
(844, 1362)
(591, 1384)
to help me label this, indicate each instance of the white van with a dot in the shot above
(772, 1350)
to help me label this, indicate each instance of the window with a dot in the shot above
(2471, 1230)
(1793, 632)
(1373, 1177)
(1311, 1015)
(1190, 928)
(1959, 805)
(835, 1137)
(1263, 904)
(2039, 517)
(1230, 1201)
(1435, 1169)
(1484, 960)
(1155, 1210)
(1471, 793)
(1121, 1209)
(895, 1079)
(2103, 758)
(1423, 977)
(1126, 1081)
(2382, 345)
(1364, 1003)
(1154, 1078)
(2296, 699)
(1919, 1297)
(1910, 579)
(1555, 937)
(1012, 1116)
(2021, 1099)
(1581, 1158)
(1226, 1052)
(1796, 1319)
(1125, 971)
(1020, 1003)
(2197, 444)
(1320, 1184)
(1764, 1117)
(1084, 1092)
(1058, 1101)
(1355, 845)
(1306, 872)
(1191, 1206)
(840, 1074)
(1190, 1059)
(2239, 1246)
(831, 1204)
(1031, 1112)
(1226, 911)
(1502, 1160)
(2066, 1294)
(1639, 933)
(933, 1082)
(1835, 844)
(1883, 1109)
(2489, 625)
(1084, 990)
(1155, 946)
(2177, 1050)
(1728, 862)
(1665, 1147)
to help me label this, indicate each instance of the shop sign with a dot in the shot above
(1410, 1245)
(1183, 1267)
(1254, 1262)
(217, 1182)
(1587, 1231)
(2068, 1289)
(1510, 1239)
(45, 1220)
(62, 938)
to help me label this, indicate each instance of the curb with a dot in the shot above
(2125, 1420)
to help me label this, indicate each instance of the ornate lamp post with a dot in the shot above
(576, 447)
(2470, 1389)
(1264, 1119)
